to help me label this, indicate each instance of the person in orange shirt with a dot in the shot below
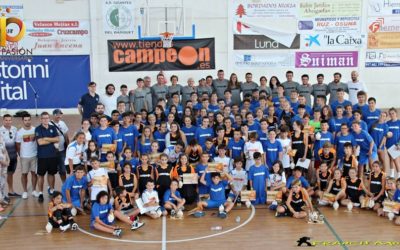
(188, 191)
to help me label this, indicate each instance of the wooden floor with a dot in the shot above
(258, 229)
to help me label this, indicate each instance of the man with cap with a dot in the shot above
(62, 130)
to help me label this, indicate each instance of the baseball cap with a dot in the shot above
(57, 112)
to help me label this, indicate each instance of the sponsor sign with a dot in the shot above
(382, 58)
(330, 24)
(264, 60)
(339, 59)
(260, 42)
(383, 7)
(139, 55)
(118, 17)
(329, 8)
(383, 32)
(332, 40)
(265, 9)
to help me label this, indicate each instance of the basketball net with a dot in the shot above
(166, 38)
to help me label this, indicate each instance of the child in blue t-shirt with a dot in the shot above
(217, 194)
(200, 170)
(258, 177)
(74, 188)
(173, 200)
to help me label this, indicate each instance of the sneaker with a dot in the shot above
(48, 190)
(179, 214)
(7, 199)
(4, 202)
(25, 195)
(136, 225)
(117, 232)
(65, 227)
(356, 204)
(49, 227)
(222, 215)
(35, 194)
(40, 198)
(74, 226)
(173, 213)
(277, 214)
(14, 194)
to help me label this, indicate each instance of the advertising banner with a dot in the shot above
(382, 58)
(265, 9)
(318, 41)
(264, 60)
(260, 42)
(58, 81)
(383, 32)
(383, 7)
(337, 59)
(139, 55)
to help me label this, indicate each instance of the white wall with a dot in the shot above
(211, 19)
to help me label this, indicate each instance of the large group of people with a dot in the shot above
(160, 147)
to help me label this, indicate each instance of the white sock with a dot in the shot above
(398, 175)
(40, 193)
(392, 172)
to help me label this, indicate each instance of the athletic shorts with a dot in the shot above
(215, 204)
(295, 208)
(47, 165)
(104, 221)
(28, 164)
(73, 168)
(12, 166)
(364, 158)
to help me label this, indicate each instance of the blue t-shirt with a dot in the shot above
(340, 141)
(396, 196)
(371, 116)
(189, 132)
(49, 150)
(254, 127)
(325, 137)
(129, 133)
(272, 151)
(120, 142)
(213, 108)
(394, 127)
(262, 137)
(104, 136)
(378, 132)
(258, 176)
(304, 182)
(335, 124)
(202, 134)
(134, 162)
(74, 186)
(236, 147)
(217, 192)
(276, 102)
(144, 148)
(336, 104)
(363, 140)
(160, 138)
(168, 197)
(363, 125)
(100, 211)
(363, 108)
(200, 169)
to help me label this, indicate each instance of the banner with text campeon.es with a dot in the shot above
(140, 55)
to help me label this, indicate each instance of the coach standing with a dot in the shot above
(47, 138)
(88, 102)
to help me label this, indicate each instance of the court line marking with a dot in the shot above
(6, 217)
(333, 231)
(164, 233)
(253, 212)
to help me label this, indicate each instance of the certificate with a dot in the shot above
(304, 164)
(393, 151)
(215, 167)
(192, 178)
(108, 147)
(248, 195)
(274, 196)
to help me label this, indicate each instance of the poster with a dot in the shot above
(48, 76)
(382, 58)
(118, 17)
(139, 55)
(264, 60)
(265, 9)
(329, 8)
(383, 7)
(383, 32)
(318, 41)
(261, 42)
(336, 59)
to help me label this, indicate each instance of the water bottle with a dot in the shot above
(238, 219)
(216, 228)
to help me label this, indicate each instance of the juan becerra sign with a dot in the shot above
(141, 55)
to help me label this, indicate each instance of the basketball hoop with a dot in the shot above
(166, 39)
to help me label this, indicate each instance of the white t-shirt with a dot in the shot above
(276, 179)
(286, 147)
(150, 196)
(27, 140)
(353, 90)
(100, 178)
(63, 127)
(226, 162)
(249, 149)
(74, 152)
(110, 103)
(239, 179)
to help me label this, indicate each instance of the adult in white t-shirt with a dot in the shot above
(354, 86)
(109, 99)
(27, 151)
(74, 153)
